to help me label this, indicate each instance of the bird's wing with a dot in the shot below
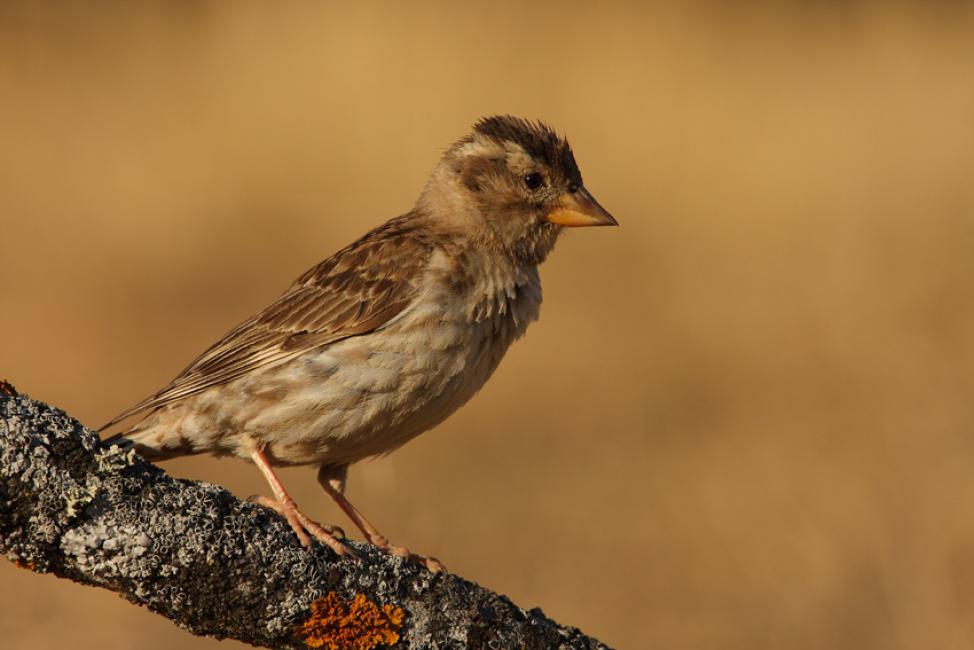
(357, 290)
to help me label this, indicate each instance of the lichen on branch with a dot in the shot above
(219, 566)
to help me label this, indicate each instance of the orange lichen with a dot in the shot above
(359, 624)
(30, 566)
(7, 388)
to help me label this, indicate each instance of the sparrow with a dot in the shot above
(387, 337)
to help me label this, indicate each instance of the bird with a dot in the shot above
(387, 337)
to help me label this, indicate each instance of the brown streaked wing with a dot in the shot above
(355, 291)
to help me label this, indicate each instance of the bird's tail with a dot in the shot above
(120, 440)
(145, 442)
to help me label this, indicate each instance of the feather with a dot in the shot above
(355, 291)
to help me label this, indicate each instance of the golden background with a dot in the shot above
(745, 419)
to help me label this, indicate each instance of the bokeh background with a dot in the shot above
(745, 419)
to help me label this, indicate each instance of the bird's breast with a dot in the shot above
(369, 394)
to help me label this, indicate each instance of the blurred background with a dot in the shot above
(745, 419)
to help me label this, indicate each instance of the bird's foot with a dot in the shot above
(431, 563)
(304, 525)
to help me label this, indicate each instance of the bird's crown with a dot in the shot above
(539, 140)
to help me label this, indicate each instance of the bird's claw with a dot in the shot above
(302, 525)
(430, 563)
(329, 535)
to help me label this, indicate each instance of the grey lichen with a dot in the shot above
(211, 563)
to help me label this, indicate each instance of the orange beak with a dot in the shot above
(578, 209)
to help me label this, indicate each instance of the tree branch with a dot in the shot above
(221, 567)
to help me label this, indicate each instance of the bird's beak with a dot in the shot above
(579, 208)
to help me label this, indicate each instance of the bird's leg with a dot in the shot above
(284, 505)
(332, 479)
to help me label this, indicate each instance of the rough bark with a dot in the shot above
(219, 566)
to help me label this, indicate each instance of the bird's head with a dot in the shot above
(512, 184)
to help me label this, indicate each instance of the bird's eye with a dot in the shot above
(534, 180)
